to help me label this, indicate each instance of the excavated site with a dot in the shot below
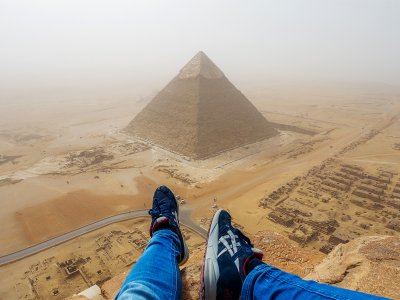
(336, 203)
(84, 263)
(310, 172)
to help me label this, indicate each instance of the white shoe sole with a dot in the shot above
(185, 254)
(210, 264)
(185, 247)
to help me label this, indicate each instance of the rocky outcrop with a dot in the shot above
(286, 255)
(111, 287)
(278, 251)
(368, 264)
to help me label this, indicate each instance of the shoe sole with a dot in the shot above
(185, 247)
(210, 269)
(185, 254)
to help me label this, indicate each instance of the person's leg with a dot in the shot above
(227, 254)
(156, 274)
(267, 282)
(232, 268)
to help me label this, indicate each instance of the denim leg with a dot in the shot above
(156, 274)
(267, 282)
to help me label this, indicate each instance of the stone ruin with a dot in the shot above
(370, 201)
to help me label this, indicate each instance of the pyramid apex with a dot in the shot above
(200, 65)
(202, 55)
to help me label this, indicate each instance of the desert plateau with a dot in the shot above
(286, 114)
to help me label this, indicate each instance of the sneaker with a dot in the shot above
(165, 214)
(224, 267)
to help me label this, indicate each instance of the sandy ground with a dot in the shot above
(69, 163)
(112, 250)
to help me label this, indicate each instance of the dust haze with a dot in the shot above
(74, 42)
(285, 113)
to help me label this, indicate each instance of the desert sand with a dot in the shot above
(65, 161)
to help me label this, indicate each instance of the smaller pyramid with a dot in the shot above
(200, 114)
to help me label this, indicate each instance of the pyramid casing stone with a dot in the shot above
(200, 114)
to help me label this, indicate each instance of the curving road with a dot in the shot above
(11, 257)
(186, 220)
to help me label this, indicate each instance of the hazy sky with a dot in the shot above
(52, 41)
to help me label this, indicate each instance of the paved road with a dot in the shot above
(184, 216)
(185, 219)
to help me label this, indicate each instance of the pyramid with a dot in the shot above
(200, 114)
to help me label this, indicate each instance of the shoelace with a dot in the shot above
(242, 236)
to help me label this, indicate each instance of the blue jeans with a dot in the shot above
(267, 282)
(156, 276)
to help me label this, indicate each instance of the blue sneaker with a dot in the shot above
(165, 214)
(224, 267)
